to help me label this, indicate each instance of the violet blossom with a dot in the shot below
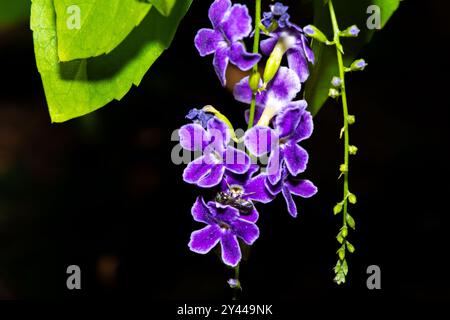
(217, 156)
(231, 24)
(224, 225)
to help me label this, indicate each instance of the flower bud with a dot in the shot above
(333, 93)
(336, 82)
(341, 252)
(254, 81)
(350, 221)
(315, 33)
(344, 231)
(350, 247)
(351, 119)
(343, 168)
(351, 198)
(337, 208)
(352, 150)
(358, 65)
(351, 31)
(274, 62)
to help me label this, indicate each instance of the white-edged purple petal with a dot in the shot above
(217, 11)
(250, 217)
(231, 252)
(241, 58)
(302, 188)
(237, 24)
(220, 63)
(273, 189)
(193, 137)
(236, 161)
(258, 112)
(219, 134)
(274, 166)
(260, 140)
(203, 240)
(231, 178)
(295, 157)
(287, 120)
(267, 45)
(213, 176)
(307, 49)
(292, 208)
(245, 230)
(200, 211)
(197, 169)
(207, 40)
(283, 88)
(298, 63)
(256, 190)
(305, 128)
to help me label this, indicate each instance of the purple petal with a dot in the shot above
(236, 161)
(203, 240)
(305, 127)
(243, 93)
(307, 49)
(302, 188)
(238, 179)
(296, 158)
(251, 217)
(197, 169)
(260, 140)
(217, 11)
(292, 208)
(274, 189)
(245, 230)
(258, 113)
(257, 191)
(297, 62)
(231, 252)
(219, 134)
(213, 177)
(274, 166)
(207, 40)
(201, 212)
(226, 214)
(193, 137)
(237, 24)
(220, 63)
(241, 58)
(287, 121)
(267, 45)
(283, 88)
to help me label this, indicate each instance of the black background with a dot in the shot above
(101, 191)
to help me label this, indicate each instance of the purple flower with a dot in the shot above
(231, 24)
(291, 126)
(248, 186)
(224, 225)
(279, 92)
(199, 116)
(296, 45)
(217, 157)
(288, 186)
(278, 13)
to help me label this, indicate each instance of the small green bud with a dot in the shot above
(337, 267)
(344, 231)
(351, 198)
(351, 31)
(350, 247)
(341, 252)
(333, 93)
(254, 81)
(352, 150)
(358, 65)
(351, 119)
(313, 32)
(337, 208)
(343, 168)
(350, 221)
(345, 267)
(339, 238)
(274, 62)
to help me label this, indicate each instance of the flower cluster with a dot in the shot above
(236, 174)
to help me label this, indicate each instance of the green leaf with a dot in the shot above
(348, 12)
(163, 6)
(14, 11)
(90, 28)
(79, 87)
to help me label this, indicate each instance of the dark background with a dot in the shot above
(101, 191)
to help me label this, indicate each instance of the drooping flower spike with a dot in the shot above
(231, 24)
(217, 156)
(224, 225)
(293, 42)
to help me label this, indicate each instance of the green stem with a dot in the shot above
(344, 106)
(255, 67)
